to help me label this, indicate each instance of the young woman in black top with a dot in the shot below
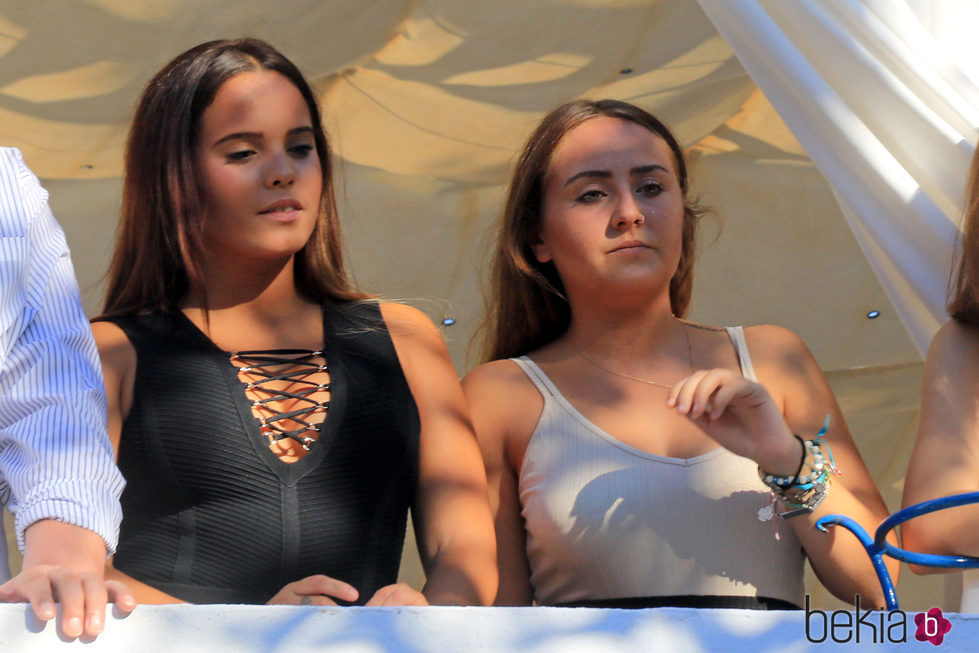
(274, 424)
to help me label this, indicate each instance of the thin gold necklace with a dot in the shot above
(640, 379)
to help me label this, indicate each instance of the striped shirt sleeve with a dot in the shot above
(56, 461)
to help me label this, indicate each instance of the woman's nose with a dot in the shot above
(627, 214)
(281, 173)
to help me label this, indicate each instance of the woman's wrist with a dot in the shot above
(59, 544)
(804, 490)
(786, 459)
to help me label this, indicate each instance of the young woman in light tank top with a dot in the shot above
(635, 458)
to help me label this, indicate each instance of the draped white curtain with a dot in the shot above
(879, 95)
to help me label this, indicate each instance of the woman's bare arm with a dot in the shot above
(945, 459)
(451, 512)
(503, 427)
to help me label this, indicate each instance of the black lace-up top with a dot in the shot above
(211, 515)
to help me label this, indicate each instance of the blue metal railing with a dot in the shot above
(878, 547)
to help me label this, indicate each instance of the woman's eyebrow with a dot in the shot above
(255, 135)
(604, 174)
(653, 167)
(238, 135)
(588, 173)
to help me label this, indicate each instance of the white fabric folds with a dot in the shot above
(886, 114)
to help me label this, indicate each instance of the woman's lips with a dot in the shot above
(630, 245)
(283, 210)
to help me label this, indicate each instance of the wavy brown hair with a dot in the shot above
(526, 307)
(159, 242)
(963, 304)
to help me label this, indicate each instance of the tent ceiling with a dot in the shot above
(427, 103)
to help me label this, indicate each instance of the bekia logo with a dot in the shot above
(932, 626)
(875, 626)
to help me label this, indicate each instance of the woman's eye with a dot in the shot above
(650, 189)
(591, 196)
(303, 150)
(240, 155)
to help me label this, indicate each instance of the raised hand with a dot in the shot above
(740, 415)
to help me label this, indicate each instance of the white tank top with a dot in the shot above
(605, 520)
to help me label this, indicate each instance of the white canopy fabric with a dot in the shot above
(427, 103)
(888, 117)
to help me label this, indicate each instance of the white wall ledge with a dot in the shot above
(208, 629)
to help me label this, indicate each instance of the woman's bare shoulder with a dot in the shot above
(952, 364)
(114, 346)
(415, 337)
(777, 348)
(774, 338)
(788, 370)
(499, 376)
(954, 341)
(504, 403)
(402, 319)
(107, 330)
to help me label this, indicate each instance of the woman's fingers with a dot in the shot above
(315, 590)
(324, 585)
(83, 597)
(95, 597)
(318, 590)
(681, 394)
(700, 393)
(68, 589)
(705, 394)
(121, 595)
(725, 392)
(34, 587)
(315, 599)
(397, 594)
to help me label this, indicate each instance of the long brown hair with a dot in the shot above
(159, 242)
(963, 304)
(526, 307)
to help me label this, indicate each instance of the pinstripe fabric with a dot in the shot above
(56, 461)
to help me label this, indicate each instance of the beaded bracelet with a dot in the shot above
(803, 492)
(783, 482)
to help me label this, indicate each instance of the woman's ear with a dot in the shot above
(541, 251)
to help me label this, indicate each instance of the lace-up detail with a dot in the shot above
(287, 388)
